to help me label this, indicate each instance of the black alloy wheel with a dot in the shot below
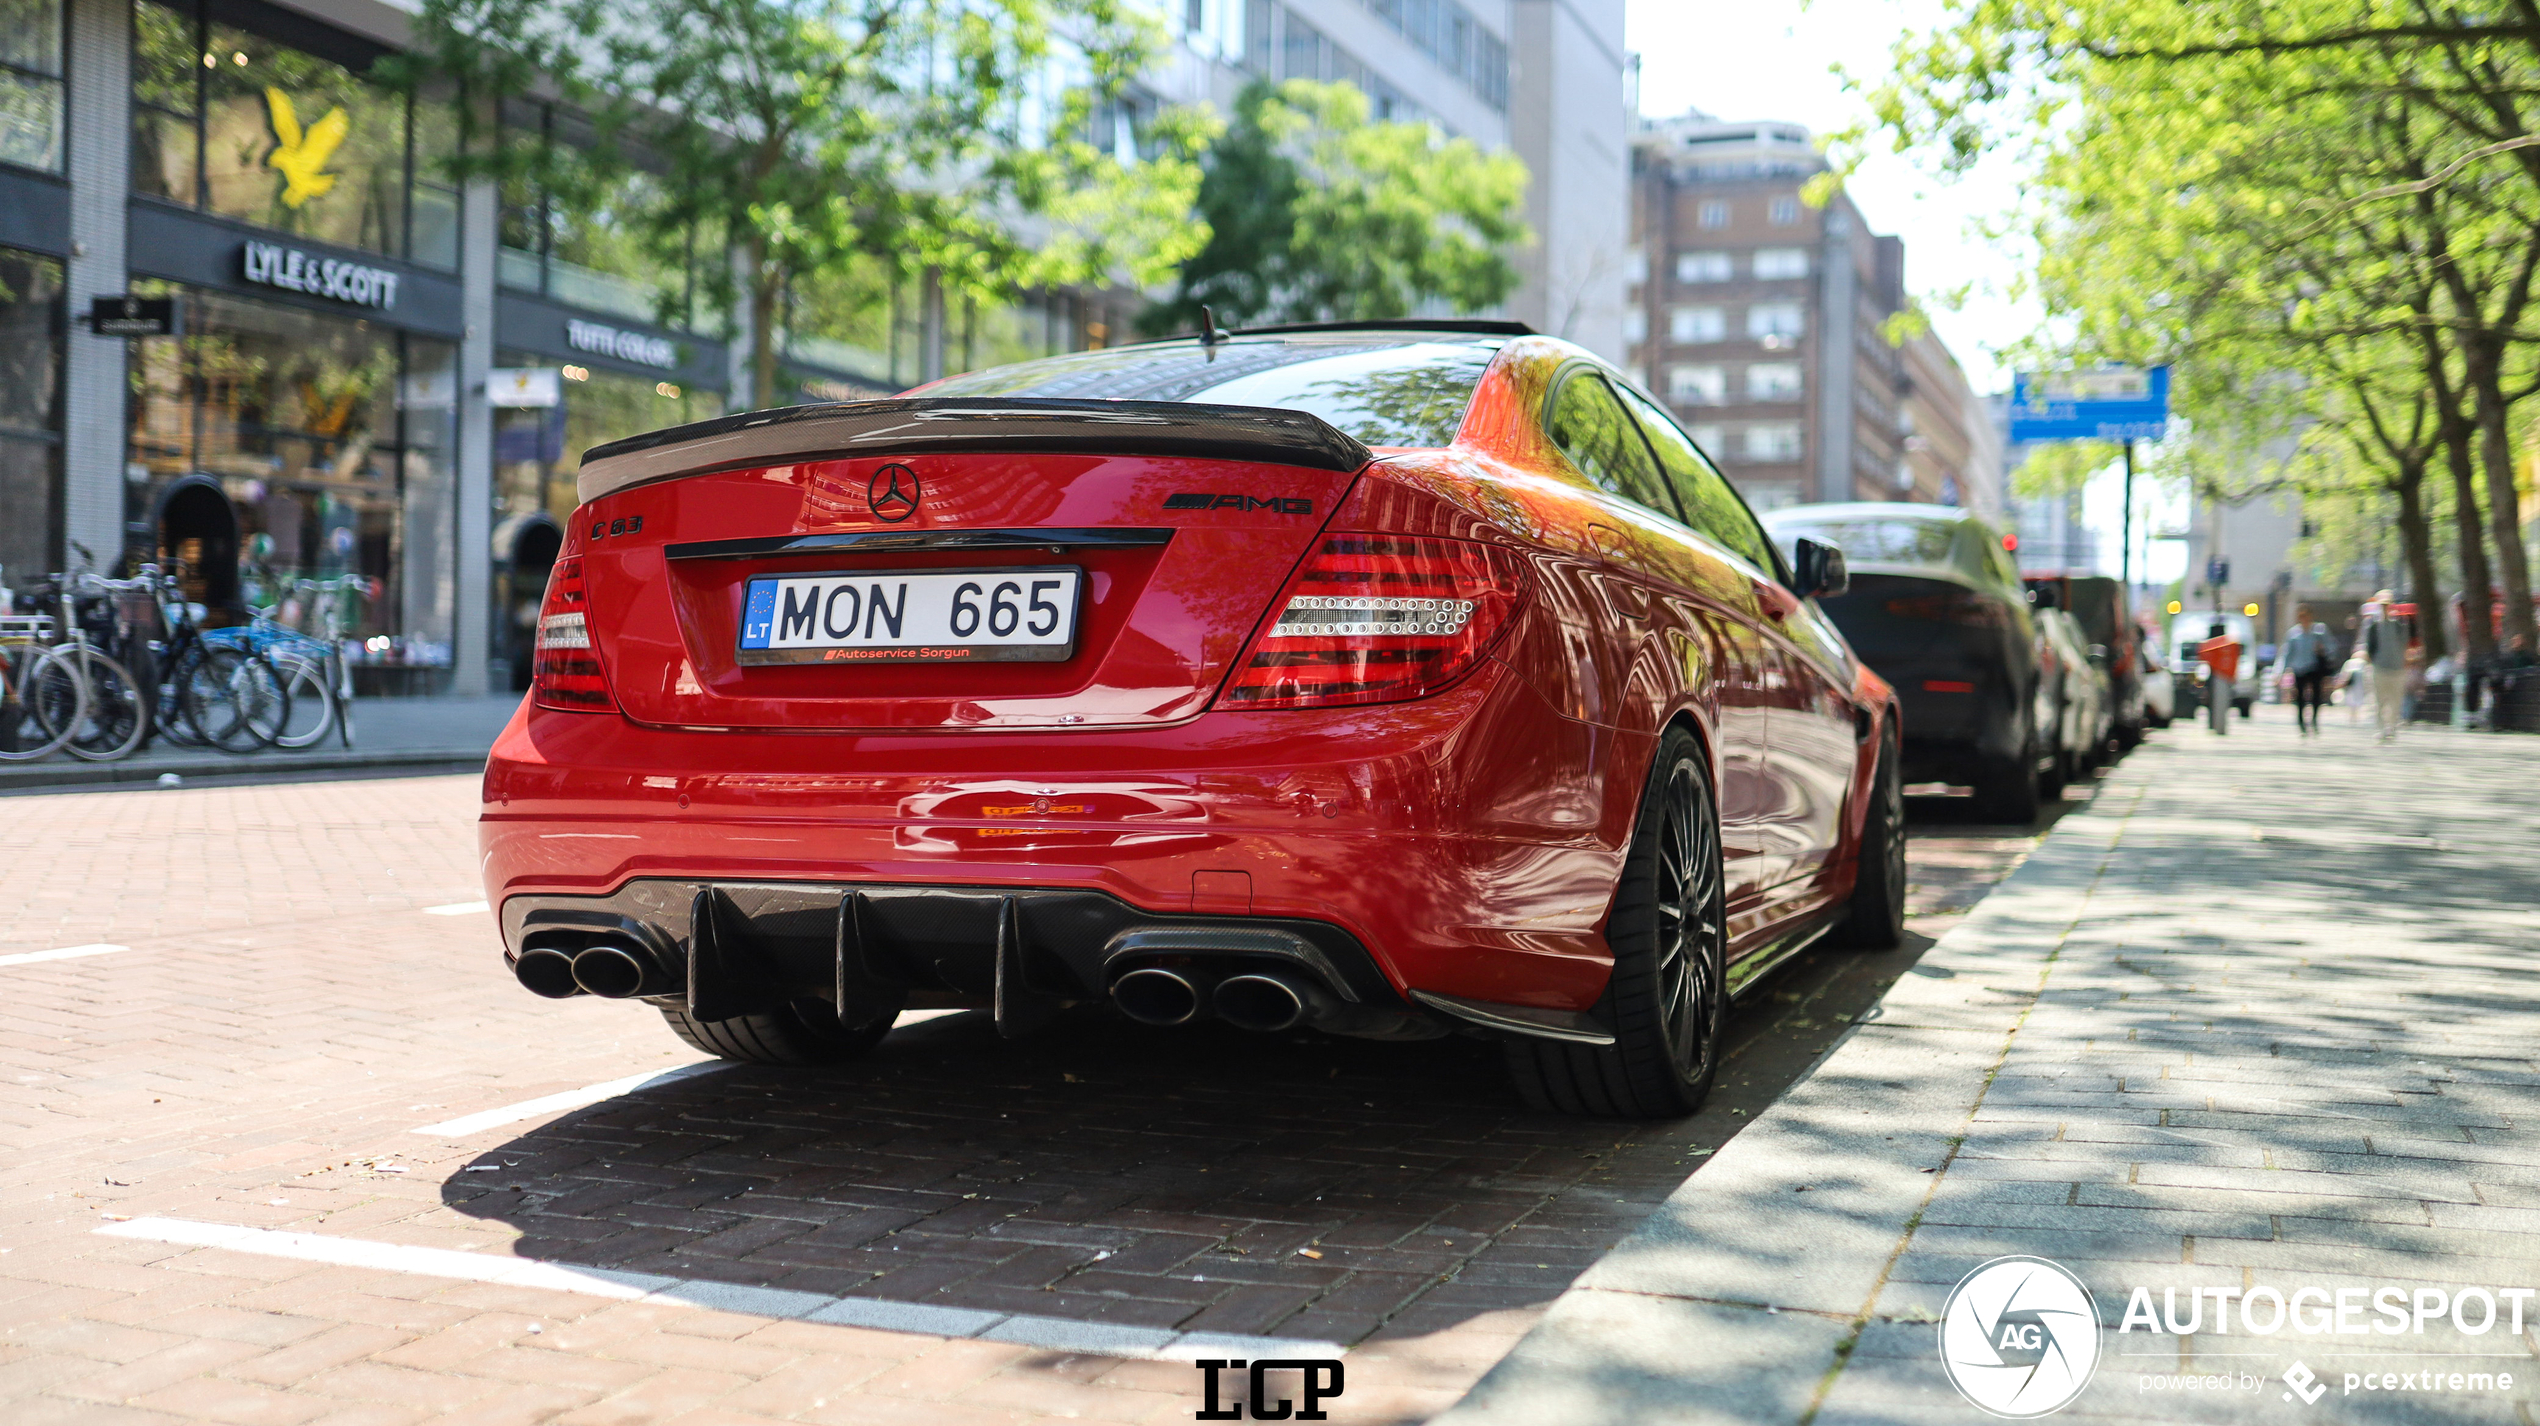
(1667, 1000)
(1874, 919)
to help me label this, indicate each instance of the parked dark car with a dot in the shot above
(2099, 604)
(1936, 607)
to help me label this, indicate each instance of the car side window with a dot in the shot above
(1710, 504)
(1591, 429)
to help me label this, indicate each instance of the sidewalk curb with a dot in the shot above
(46, 776)
(1739, 1300)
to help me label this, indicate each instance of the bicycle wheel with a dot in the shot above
(117, 718)
(41, 700)
(235, 700)
(169, 717)
(312, 702)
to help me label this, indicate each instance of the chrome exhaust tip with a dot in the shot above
(547, 972)
(1154, 996)
(609, 972)
(1259, 1002)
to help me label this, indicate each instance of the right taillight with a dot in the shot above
(567, 672)
(1376, 618)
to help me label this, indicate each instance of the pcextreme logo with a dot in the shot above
(299, 155)
(2020, 1337)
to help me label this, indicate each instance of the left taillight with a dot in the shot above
(567, 672)
(1377, 618)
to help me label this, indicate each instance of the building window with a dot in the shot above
(1697, 385)
(1697, 324)
(236, 124)
(31, 83)
(1702, 267)
(1773, 381)
(1710, 436)
(1773, 264)
(1447, 32)
(1714, 213)
(1636, 267)
(1772, 441)
(32, 327)
(1786, 211)
(1767, 320)
(1635, 325)
(593, 249)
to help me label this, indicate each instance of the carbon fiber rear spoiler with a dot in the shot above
(924, 425)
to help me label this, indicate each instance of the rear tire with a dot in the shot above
(1667, 1000)
(1874, 919)
(803, 1033)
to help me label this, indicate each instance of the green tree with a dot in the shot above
(949, 135)
(2322, 212)
(1315, 213)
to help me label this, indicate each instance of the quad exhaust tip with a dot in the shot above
(1155, 996)
(547, 972)
(609, 972)
(1259, 1002)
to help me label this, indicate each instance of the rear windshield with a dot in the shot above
(1923, 542)
(1383, 392)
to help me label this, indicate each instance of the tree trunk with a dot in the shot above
(2477, 635)
(764, 290)
(2416, 547)
(2504, 502)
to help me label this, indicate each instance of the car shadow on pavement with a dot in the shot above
(1196, 1178)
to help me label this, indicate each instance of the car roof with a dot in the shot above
(1869, 510)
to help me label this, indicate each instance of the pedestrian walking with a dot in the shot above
(2356, 678)
(2385, 645)
(2312, 660)
(2221, 653)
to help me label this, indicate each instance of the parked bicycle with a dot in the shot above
(210, 693)
(316, 675)
(42, 696)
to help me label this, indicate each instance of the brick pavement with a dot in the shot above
(287, 1014)
(2260, 1018)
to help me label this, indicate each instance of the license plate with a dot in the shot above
(913, 616)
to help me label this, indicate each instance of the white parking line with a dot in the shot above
(1021, 1328)
(467, 1124)
(458, 908)
(65, 953)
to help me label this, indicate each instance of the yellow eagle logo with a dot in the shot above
(301, 156)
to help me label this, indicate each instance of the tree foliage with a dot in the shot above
(1316, 213)
(2325, 214)
(955, 135)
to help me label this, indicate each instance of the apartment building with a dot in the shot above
(1765, 323)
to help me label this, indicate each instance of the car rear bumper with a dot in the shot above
(1425, 841)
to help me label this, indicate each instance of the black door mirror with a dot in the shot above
(1820, 569)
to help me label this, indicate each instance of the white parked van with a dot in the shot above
(2191, 629)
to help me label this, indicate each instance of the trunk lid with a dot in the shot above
(1172, 550)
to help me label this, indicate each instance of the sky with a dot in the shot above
(1771, 59)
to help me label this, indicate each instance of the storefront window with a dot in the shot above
(537, 452)
(236, 124)
(590, 240)
(31, 327)
(31, 83)
(332, 440)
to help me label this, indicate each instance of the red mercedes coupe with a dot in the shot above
(1394, 681)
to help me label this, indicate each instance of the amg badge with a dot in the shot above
(1211, 500)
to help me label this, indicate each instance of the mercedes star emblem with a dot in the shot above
(893, 493)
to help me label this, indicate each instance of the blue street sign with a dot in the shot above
(2108, 404)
